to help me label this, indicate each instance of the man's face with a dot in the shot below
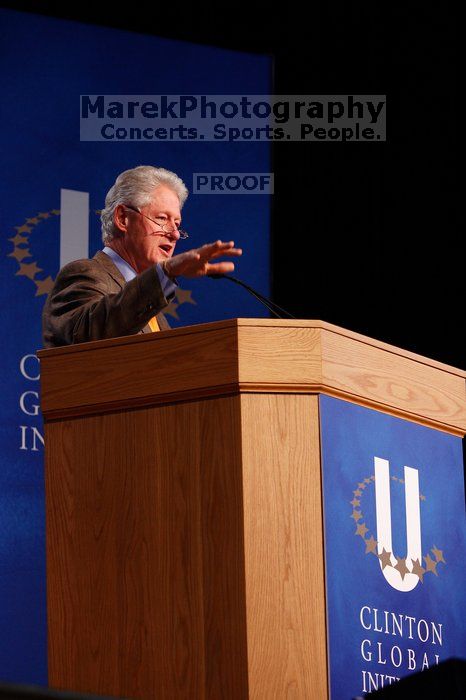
(145, 241)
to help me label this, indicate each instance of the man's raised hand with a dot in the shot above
(197, 262)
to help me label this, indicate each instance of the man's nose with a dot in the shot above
(173, 232)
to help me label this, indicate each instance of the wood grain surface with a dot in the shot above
(183, 502)
(184, 551)
(250, 355)
(145, 553)
(285, 593)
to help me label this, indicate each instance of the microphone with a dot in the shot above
(263, 300)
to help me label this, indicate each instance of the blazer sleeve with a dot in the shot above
(87, 304)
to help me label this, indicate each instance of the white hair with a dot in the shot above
(135, 187)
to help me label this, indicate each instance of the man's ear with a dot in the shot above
(120, 218)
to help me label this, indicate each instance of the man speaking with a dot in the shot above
(123, 289)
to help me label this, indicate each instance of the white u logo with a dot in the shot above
(74, 225)
(393, 576)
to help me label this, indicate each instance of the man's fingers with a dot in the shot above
(220, 244)
(210, 251)
(218, 248)
(196, 262)
(220, 268)
(232, 253)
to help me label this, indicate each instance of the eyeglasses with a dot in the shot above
(160, 222)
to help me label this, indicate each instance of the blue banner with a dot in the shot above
(53, 187)
(395, 547)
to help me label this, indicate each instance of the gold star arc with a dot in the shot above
(43, 286)
(19, 240)
(418, 570)
(431, 565)
(385, 558)
(19, 254)
(371, 545)
(438, 554)
(29, 270)
(401, 567)
(361, 530)
(183, 296)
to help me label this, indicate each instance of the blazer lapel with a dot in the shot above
(110, 267)
(115, 273)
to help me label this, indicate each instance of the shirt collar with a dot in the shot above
(124, 267)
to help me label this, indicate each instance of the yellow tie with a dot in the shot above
(154, 324)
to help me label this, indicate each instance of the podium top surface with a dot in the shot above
(251, 355)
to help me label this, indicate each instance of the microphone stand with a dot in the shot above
(263, 300)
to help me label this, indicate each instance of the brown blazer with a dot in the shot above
(91, 300)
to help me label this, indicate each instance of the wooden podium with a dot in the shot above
(184, 503)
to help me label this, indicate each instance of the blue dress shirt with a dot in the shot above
(167, 284)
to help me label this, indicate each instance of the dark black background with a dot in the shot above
(365, 235)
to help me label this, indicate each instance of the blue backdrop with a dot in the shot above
(377, 632)
(46, 65)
